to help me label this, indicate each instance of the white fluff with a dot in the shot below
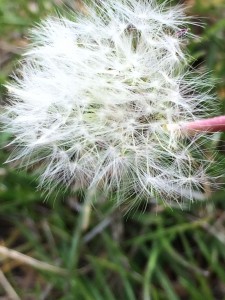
(96, 98)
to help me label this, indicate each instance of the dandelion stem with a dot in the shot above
(211, 125)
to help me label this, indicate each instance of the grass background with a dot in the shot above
(60, 249)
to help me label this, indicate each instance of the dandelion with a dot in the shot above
(98, 102)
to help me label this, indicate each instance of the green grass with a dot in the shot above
(154, 253)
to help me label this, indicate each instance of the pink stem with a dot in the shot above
(211, 125)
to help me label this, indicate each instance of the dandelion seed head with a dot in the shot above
(98, 101)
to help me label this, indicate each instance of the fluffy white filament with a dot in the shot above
(96, 99)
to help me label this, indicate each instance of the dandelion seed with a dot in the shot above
(182, 33)
(98, 102)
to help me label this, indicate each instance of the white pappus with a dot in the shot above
(95, 101)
